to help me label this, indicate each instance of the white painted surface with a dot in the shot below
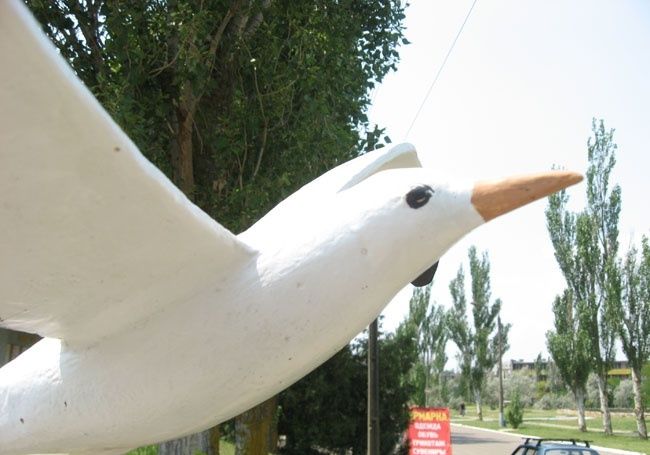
(160, 322)
(91, 233)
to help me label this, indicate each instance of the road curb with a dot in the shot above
(521, 436)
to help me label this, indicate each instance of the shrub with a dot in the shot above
(515, 412)
(521, 382)
(624, 395)
(556, 401)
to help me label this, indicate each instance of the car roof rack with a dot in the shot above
(538, 441)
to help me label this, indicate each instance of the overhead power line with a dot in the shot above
(435, 79)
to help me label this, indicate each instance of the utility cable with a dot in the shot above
(435, 79)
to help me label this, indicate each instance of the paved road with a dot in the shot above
(473, 441)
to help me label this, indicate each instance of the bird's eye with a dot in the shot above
(419, 196)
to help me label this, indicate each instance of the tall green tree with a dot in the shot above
(586, 247)
(428, 322)
(460, 332)
(239, 102)
(326, 410)
(633, 317)
(569, 347)
(478, 345)
(540, 367)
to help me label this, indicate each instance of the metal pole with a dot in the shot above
(502, 421)
(373, 390)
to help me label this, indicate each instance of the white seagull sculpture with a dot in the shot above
(158, 322)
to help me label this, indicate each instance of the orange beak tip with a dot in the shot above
(494, 198)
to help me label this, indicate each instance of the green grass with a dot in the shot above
(624, 427)
(534, 425)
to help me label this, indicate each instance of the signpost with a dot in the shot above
(429, 432)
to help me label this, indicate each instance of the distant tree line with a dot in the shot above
(477, 341)
(606, 303)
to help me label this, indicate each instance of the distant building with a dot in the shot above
(537, 368)
(620, 368)
(521, 365)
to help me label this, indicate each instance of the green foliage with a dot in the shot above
(147, 450)
(324, 408)
(555, 401)
(624, 394)
(539, 367)
(515, 412)
(633, 313)
(568, 344)
(478, 346)
(460, 332)
(593, 398)
(520, 385)
(554, 381)
(586, 246)
(327, 408)
(645, 390)
(267, 95)
(427, 323)
(519, 382)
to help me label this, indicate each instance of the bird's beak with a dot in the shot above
(494, 198)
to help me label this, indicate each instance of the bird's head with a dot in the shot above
(385, 215)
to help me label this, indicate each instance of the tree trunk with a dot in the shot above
(479, 405)
(272, 442)
(638, 404)
(604, 406)
(253, 427)
(580, 407)
(182, 146)
(206, 442)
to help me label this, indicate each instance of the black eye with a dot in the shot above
(419, 196)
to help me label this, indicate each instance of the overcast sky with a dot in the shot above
(518, 94)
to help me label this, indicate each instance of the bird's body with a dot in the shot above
(254, 332)
(158, 321)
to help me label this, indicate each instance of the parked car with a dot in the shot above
(539, 446)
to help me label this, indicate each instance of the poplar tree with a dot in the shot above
(586, 247)
(478, 345)
(633, 317)
(428, 322)
(569, 348)
(460, 332)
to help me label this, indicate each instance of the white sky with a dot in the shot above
(517, 95)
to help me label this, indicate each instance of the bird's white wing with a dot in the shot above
(93, 238)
